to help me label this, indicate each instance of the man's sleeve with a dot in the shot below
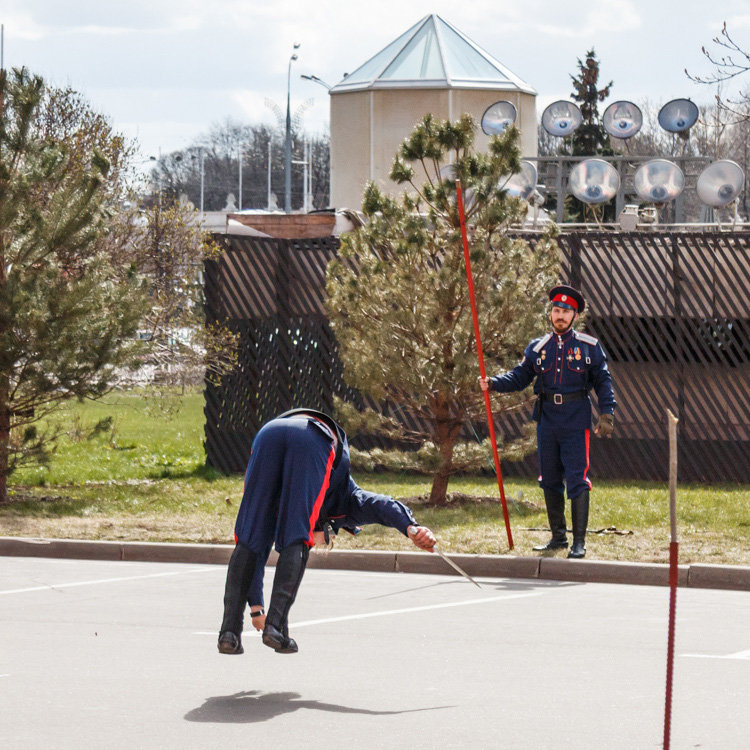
(516, 379)
(601, 380)
(363, 507)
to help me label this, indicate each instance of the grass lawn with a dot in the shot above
(140, 476)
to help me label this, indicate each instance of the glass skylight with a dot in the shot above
(463, 60)
(375, 65)
(431, 53)
(419, 59)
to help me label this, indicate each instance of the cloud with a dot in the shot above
(583, 20)
(23, 26)
(38, 19)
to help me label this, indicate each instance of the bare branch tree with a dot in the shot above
(727, 67)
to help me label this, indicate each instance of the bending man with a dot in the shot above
(297, 490)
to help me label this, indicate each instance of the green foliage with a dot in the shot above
(67, 315)
(590, 139)
(398, 297)
(122, 437)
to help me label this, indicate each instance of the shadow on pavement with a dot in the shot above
(491, 585)
(249, 706)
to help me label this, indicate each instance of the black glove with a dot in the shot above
(606, 425)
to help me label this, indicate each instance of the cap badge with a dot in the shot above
(564, 298)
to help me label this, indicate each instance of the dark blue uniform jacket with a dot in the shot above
(573, 362)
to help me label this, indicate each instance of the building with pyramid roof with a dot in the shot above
(431, 67)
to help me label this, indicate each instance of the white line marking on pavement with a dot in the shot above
(55, 586)
(4, 675)
(739, 655)
(385, 613)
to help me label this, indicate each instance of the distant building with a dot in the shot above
(432, 67)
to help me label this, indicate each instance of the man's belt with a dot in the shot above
(562, 398)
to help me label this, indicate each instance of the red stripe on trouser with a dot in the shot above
(586, 470)
(319, 499)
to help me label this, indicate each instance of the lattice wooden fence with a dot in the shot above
(671, 309)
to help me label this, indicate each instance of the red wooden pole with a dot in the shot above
(480, 356)
(670, 640)
(673, 571)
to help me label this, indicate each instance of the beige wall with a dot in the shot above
(367, 128)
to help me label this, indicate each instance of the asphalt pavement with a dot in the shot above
(122, 654)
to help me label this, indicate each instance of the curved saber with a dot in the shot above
(456, 566)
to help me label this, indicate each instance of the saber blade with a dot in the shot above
(456, 567)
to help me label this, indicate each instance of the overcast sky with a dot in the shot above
(165, 70)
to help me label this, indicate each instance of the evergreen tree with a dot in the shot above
(67, 316)
(590, 139)
(399, 303)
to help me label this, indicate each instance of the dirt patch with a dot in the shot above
(457, 499)
(29, 495)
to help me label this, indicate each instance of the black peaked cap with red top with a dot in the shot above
(566, 296)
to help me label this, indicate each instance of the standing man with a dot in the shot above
(297, 491)
(564, 365)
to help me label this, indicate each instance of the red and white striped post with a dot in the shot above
(480, 356)
(673, 570)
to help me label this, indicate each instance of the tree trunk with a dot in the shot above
(439, 490)
(4, 441)
(446, 431)
(4, 379)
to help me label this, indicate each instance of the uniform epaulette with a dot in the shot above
(542, 341)
(586, 338)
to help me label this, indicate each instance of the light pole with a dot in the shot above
(288, 141)
(268, 204)
(203, 175)
(239, 162)
(315, 79)
(308, 149)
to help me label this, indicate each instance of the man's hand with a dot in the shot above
(422, 537)
(605, 426)
(259, 620)
(484, 383)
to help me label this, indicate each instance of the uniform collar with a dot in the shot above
(565, 338)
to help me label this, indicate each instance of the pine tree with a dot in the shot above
(67, 317)
(399, 303)
(590, 138)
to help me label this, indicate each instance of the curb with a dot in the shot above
(696, 575)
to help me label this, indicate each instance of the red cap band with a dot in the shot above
(566, 299)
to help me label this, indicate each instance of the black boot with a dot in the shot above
(290, 567)
(579, 509)
(239, 577)
(555, 502)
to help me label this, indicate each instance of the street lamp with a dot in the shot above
(316, 80)
(288, 141)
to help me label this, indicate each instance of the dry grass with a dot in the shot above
(713, 523)
(143, 479)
